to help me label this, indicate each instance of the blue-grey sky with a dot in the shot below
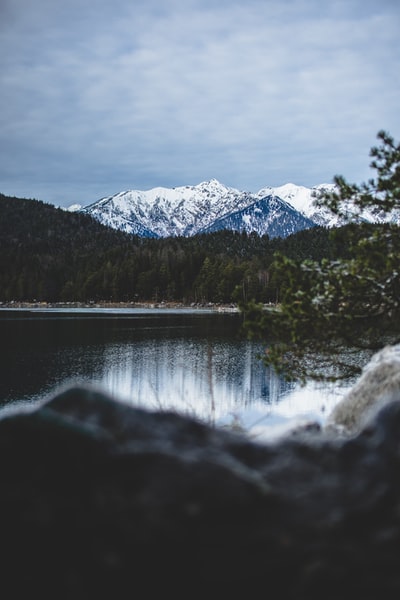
(103, 96)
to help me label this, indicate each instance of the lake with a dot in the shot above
(192, 361)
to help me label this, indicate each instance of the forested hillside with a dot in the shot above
(47, 254)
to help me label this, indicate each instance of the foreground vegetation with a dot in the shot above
(351, 302)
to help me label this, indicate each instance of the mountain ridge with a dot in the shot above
(189, 210)
(211, 206)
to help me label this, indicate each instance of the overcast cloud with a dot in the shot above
(98, 97)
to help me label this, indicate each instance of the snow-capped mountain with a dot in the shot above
(188, 210)
(162, 212)
(212, 206)
(74, 208)
(302, 199)
(269, 215)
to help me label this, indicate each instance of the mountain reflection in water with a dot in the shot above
(192, 362)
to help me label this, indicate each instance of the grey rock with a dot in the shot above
(378, 384)
(102, 500)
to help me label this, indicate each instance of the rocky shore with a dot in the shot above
(102, 500)
(115, 305)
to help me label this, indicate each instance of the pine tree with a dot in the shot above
(332, 309)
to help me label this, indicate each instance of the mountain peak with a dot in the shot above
(210, 205)
(211, 182)
(214, 186)
(188, 210)
(73, 208)
(302, 199)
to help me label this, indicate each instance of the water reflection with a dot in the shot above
(206, 378)
(193, 363)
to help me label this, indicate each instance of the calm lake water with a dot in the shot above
(194, 362)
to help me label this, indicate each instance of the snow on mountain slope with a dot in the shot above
(302, 199)
(162, 212)
(73, 208)
(210, 206)
(269, 215)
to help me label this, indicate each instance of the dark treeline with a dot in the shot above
(48, 254)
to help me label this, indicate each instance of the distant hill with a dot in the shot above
(50, 254)
(43, 247)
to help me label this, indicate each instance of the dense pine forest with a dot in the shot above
(48, 254)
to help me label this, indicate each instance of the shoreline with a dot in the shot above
(122, 305)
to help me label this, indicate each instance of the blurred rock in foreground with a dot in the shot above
(379, 383)
(100, 500)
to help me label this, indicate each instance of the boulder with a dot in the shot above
(379, 383)
(103, 500)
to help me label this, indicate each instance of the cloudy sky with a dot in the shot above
(103, 96)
